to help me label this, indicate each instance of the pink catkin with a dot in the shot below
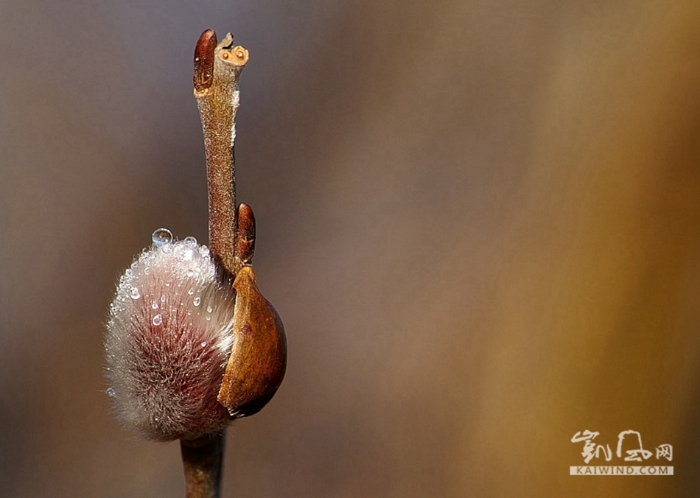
(169, 336)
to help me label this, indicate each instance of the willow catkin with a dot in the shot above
(169, 336)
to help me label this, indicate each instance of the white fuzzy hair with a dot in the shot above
(168, 339)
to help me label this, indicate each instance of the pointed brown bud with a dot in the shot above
(246, 234)
(259, 353)
(204, 61)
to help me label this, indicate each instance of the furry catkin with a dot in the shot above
(168, 339)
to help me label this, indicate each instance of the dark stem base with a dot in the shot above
(202, 460)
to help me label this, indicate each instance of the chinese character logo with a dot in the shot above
(629, 445)
(590, 449)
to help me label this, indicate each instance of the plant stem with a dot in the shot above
(202, 459)
(216, 72)
(217, 69)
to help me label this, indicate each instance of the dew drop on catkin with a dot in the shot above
(167, 352)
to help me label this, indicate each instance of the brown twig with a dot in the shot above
(216, 72)
(202, 459)
(258, 357)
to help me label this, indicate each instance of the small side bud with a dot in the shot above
(246, 234)
(259, 353)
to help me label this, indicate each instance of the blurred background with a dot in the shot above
(480, 222)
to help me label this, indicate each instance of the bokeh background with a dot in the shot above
(479, 220)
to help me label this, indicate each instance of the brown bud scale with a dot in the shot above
(258, 358)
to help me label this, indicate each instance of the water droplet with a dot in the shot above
(134, 293)
(161, 237)
(191, 291)
(128, 272)
(190, 241)
(190, 273)
(209, 309)
(167, 248)
(204, 344)
(157, 320)
(147, 270)
(204, 251)
(162, 298)
(197, 300)
(208, 318)
(111, 392)
(154, 305)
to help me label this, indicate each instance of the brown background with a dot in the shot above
(479, 220)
